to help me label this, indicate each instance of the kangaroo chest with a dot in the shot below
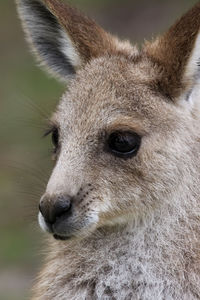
(128, 268)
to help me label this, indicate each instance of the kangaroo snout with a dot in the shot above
(64, 215)
(55, 206)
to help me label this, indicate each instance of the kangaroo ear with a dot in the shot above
(62, 38)
(177, 53)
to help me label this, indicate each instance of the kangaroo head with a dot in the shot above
(124, 130)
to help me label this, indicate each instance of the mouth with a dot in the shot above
(63, 230)
(61, 238)
(47, 227)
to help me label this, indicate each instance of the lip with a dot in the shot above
(58, 236)
(61, 238)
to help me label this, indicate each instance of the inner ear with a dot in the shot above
(64, 39)
(49, 41)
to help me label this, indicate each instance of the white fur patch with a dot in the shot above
(42, 223)
(194, 95)
(192, 78)
(192, 66)
(69, 50)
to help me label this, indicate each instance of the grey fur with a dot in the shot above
(133, 233)
(46, 37)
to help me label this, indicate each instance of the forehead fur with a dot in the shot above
(110, 87)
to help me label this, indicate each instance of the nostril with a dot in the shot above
(62, 206)
(54, 207)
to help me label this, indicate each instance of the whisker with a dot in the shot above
(30, 104)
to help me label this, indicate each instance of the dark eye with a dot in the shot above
(55, 137)
(124, 144)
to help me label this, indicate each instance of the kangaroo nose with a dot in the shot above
(54, 207)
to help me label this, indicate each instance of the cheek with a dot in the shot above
(119, 190)
(161, 171)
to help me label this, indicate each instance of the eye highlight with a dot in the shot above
(124, 144)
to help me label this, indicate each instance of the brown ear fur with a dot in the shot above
(90, 39)
(173, 50)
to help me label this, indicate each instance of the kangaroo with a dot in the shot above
(122, 206)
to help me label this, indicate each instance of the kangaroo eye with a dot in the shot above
(124, 144)
(55, 137)
(54, 131)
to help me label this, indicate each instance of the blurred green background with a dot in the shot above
(27, 98)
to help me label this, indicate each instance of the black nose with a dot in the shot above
(53, 207)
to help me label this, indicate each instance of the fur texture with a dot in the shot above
(134, 229)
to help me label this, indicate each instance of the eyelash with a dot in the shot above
(48, 131)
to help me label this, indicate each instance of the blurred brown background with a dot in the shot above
(27, 97)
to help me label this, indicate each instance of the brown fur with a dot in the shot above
(172, 51)
(90, 39)
(134, 231)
